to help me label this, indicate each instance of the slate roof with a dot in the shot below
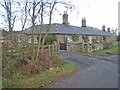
(69, 29)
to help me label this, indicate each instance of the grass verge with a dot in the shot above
(51, 75)
(44, 78)
(114, 50)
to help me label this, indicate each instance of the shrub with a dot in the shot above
(49, 39)
(93, 46)
(106, 45)
(75, 37)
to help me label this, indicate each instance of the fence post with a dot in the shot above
(56, 50)
(49, 51)
(52, 50)
(58, 47)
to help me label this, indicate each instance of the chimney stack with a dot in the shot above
(83, 22)
(108, 29)
(65, 18)
(103, 27)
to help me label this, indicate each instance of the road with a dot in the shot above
(92, 73)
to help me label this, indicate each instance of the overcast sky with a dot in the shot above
(97, 13)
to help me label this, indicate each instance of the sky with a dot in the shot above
(97, 13)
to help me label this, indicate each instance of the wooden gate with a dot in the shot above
(63, 46)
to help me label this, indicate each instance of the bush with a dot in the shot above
(49, 39)
(107, 45)
(24, 71)
(75, 37)
(93, 46)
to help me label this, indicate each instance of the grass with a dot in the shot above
(42, 79)
(114, 50)
(48, 76)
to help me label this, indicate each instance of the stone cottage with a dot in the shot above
(88, 38)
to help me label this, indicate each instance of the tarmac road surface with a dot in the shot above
(92, 73)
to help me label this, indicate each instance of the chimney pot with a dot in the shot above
(108, 29)
(103, 27)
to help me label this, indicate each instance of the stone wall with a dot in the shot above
(94, 42)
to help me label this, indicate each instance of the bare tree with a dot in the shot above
(34, 9)
(10, 18)
(39, 37)
(41, 28)
(33, 12)
(23, 10)
(51, 6)
(24, 14)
